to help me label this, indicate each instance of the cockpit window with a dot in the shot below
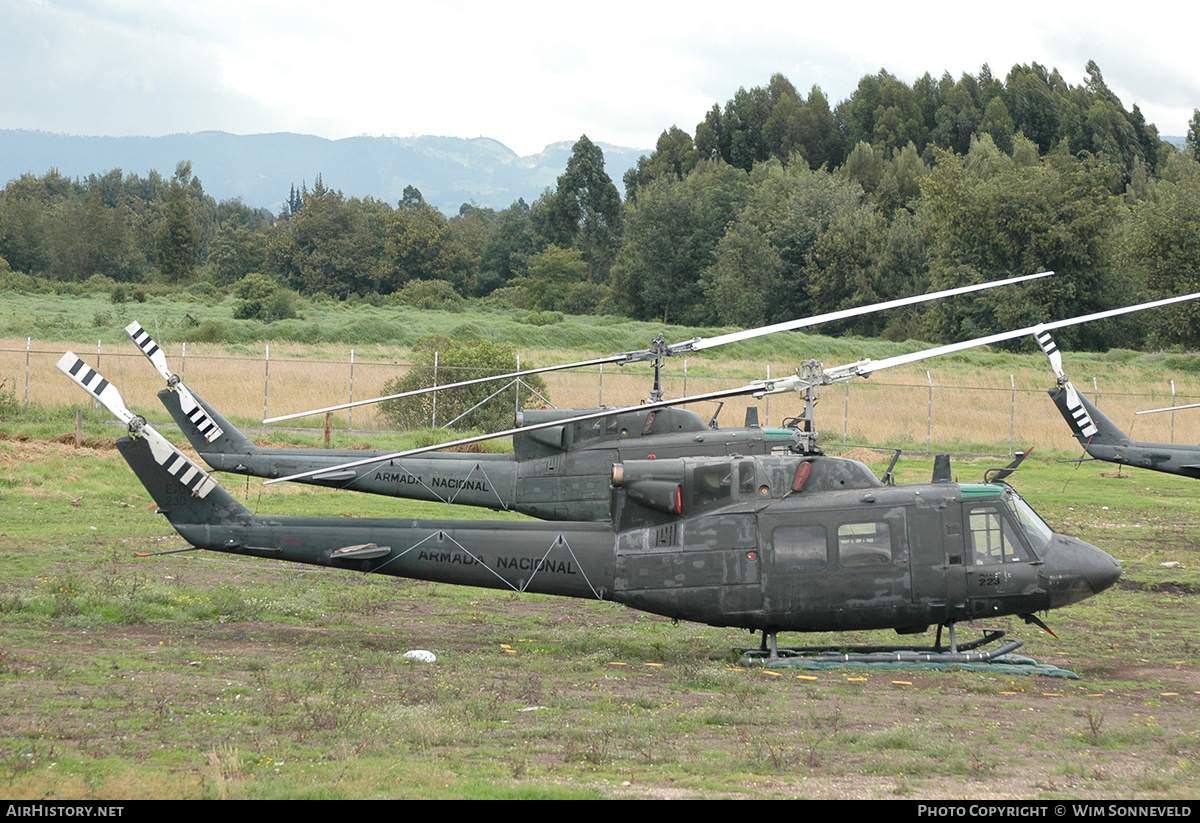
(1035, 527)
(992, 538)
(712, 483)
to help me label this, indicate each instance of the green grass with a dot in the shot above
(206, 676)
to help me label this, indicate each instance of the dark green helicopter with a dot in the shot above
(766, 542)
(560, 466)
(1102, 439)
(770, 543)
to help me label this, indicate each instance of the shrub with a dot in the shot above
(458, 359)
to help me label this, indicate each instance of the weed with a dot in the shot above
(225, 769)
(1095, 724)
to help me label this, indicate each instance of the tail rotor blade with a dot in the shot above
(1052, 353)
(187, 401)
(149, 348)
(92, 382)
(184, 470)
(1082, 420)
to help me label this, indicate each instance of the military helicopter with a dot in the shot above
(1102, 439)
(558, 471)
(770, 543)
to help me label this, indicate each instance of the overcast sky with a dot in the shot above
(529, 74)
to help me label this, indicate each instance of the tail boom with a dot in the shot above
(570, 560)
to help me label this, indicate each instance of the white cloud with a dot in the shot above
(527, 74)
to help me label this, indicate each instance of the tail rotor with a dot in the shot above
(187, 473)
(1081, 419)
(194, 411)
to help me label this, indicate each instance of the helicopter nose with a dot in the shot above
(1076, 570)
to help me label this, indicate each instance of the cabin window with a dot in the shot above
(864, 544)
(992, 539)
(800, 547)
(747, 478)
(712, 483)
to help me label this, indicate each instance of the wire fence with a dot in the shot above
(991, 412)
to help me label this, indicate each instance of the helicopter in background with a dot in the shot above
(1104, 440)
(560, 466)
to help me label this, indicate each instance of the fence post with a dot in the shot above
(183, 364)
(929, 413)
(600, 399)
(28, 340)
(266, 377)
(517, 390)
(845, 415)
(433, 420)
(1012, 413)
(767, 411)
(350, 411)
(1172, 413)
(96, 403)
(1095, 392)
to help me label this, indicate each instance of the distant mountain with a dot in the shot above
(262, 168)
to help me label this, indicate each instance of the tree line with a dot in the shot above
(777, 205)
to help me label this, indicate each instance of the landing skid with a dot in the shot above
(963, 656)
(958, 653)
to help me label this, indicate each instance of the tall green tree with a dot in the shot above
(671, 236)
(989, 217)
(1163, 245)
(584, 211)
(179, 237)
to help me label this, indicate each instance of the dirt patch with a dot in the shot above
(1166, 587)
(864, 455)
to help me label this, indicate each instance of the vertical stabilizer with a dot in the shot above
(228, 439)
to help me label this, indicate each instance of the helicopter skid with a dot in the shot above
(965, 653)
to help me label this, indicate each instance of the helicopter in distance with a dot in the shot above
(770, 543)
(559, 468)
(1102, 439)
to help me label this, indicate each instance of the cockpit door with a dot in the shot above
(1001, 568)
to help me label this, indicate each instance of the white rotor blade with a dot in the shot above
(1083, 420)
(695, 344)
(1052, 353)
(756, 388)
(873, 366)
(759, 388)
(184, 470)
(149, 348)
(829, 317)
(616, 358)
(1170, 408)
(187, 401)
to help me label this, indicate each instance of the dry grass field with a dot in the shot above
(963, 404)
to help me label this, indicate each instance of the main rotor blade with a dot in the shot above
(758, 388)
(185, 471)
(692, 345)
(844, 314)
(582, 364)
(1170, 409)
(866, 367)
(752, 388)
(187, 401)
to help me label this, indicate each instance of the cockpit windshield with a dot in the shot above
(1035, 527)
